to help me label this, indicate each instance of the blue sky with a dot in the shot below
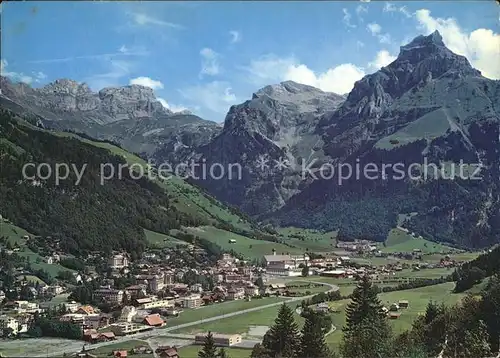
(206, 56)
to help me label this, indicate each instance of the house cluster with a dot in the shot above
(16, 316)
(393, 312)
(357, 246)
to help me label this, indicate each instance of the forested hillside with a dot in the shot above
(88, 216)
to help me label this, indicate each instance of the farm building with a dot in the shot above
(394, 307)
(394, 315)
(221, 340)
(403, 304)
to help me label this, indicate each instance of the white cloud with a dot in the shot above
(361, 9)
(123, 51)
(39, 76)
(174, 108)
(15, 76)
(383, 58)
(374, 28)
(216, 96)
(347, 18)
(405, 11)
(384, 38)
(339, 79)
(143, 19)
(235, 36)
(481, 46)
(209, 62)
(146, 82)
(389, 7)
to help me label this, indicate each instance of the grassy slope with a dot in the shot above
(418, 299)
(156, 239)
(15, 235)
(400, 241)
(314, 240)
(248, 247)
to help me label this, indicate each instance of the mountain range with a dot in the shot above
(429, 105)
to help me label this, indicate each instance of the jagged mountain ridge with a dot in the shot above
(129, 115)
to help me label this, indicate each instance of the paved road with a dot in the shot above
(165, 331)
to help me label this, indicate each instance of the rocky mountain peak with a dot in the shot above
(66, 86)
(434, 39)
(429, 54)
(280, 106)
(425, 58)
(135, 92)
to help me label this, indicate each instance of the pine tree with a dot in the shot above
(313, 338)
(282, 339)
(429, 331)
(222, 353)
(367, 333)
(490, 311)
(209, 350)
(259, 351)
(467, 335)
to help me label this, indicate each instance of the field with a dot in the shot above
(400, 241)
(249, 248)
(161, 240)
(15, 235)
(312, 290)
(418, 299)
(192, 352)
(217, 309)
(30, 278)
(314, 240)
(243, 324)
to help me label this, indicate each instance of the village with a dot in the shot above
(126, 297)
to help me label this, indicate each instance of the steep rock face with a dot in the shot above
(264, 140)
(428, 105)
(423, 61)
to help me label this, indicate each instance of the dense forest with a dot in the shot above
(88, 216)
(473, 272)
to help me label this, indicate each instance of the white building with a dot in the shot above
(285, 265)
(118, 261)
(128, 313)
(109, 295)
(9, 322)
(193, 301)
